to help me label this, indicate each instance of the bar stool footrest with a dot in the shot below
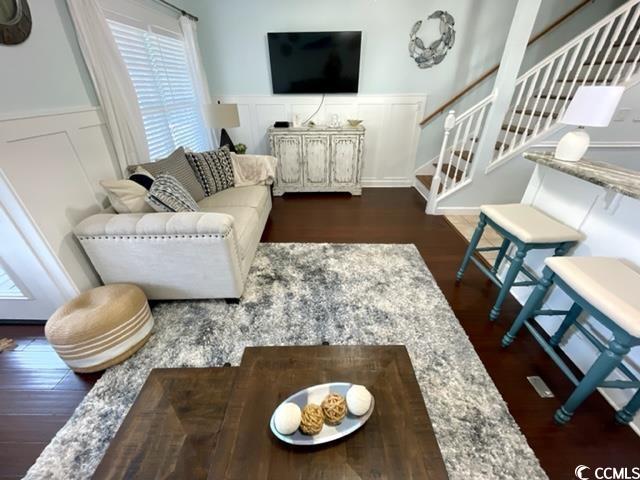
(619, 384)
(492, 276)
(549, 313)
(552, 353)
(487, 249)
(601, 348)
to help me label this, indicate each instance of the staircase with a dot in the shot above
(606, 54)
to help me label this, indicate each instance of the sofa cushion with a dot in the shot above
(167, 194)
(245, 221)
(255, 196)
(213, 169)
(177, 165)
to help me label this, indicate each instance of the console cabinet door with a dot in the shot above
(288, 150)
(344, 157)
(316, 154)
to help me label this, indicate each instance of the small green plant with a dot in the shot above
(241, 148)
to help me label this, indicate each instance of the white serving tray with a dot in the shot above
(329, 433)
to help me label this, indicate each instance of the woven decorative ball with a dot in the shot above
(334, 407)
(312, 419)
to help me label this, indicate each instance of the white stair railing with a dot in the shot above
(605, 54)
(460, 142)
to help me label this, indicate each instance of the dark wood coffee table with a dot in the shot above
(214, 422)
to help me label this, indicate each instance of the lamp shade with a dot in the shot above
(223, 115)
(593, 106)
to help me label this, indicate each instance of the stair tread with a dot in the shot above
(580, 80)
(605, 62)
(426, 180)
(453, 172)
(464, 154)
(536, 113)
(499, 145)
(628, 43)
(553, 96)
(515, 129)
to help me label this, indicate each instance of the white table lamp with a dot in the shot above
(223, 115)
(591, 107)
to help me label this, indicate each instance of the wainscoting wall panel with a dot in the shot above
(391, 140)
(54, 162)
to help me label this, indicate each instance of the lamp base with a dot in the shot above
(572, 146)
(225, 139)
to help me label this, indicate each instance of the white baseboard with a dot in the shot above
(458, 211)
(387, 183)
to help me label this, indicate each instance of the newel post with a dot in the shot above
(449, 123)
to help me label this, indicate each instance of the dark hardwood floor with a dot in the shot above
(38, 393)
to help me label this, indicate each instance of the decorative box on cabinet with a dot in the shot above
(317, 159)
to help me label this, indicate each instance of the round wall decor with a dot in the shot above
(15, 21)
(428, 56)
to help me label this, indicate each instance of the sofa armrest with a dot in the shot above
(154, 224)
(168, 255)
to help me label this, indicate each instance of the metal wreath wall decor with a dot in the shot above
(427, 57)
(15, 21)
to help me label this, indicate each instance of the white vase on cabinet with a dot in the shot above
(318, 159)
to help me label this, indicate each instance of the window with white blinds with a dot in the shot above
(158, 68)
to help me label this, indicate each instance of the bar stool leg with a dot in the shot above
(510, 277)
(625, 415)
(532, 304)
(473, 244)
(501, 253)
(599, 371)
(569, 320)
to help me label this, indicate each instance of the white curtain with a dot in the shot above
(196, 69)
(111, 80)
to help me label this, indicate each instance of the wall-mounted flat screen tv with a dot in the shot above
(315, 62)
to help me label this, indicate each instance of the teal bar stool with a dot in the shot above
(528, 229)
(608, 289)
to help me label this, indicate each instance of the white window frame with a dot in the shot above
(169, 28)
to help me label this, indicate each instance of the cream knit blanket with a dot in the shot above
(253, 169)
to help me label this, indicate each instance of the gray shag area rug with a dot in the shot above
(303, 294)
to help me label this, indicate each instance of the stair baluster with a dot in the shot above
(607, 53)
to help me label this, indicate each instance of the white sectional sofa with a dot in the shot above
(205, 254)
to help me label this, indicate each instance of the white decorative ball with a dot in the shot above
(358, 400)
(287, 419)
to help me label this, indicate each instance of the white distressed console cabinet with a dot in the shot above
(317, 159)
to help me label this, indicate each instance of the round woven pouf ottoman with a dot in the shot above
(100, 327)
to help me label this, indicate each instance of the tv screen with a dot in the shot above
(315, 62)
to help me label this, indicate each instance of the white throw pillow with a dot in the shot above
(126, 196)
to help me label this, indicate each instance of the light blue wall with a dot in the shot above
(233, 39)
(46, 72)
(232, 36)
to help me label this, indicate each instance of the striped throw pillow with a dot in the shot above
(168, 195)
(175, 164)
(213, 169)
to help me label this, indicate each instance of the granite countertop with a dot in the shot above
(618, 179)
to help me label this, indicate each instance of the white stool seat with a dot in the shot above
(610, 285)
(529, 224)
